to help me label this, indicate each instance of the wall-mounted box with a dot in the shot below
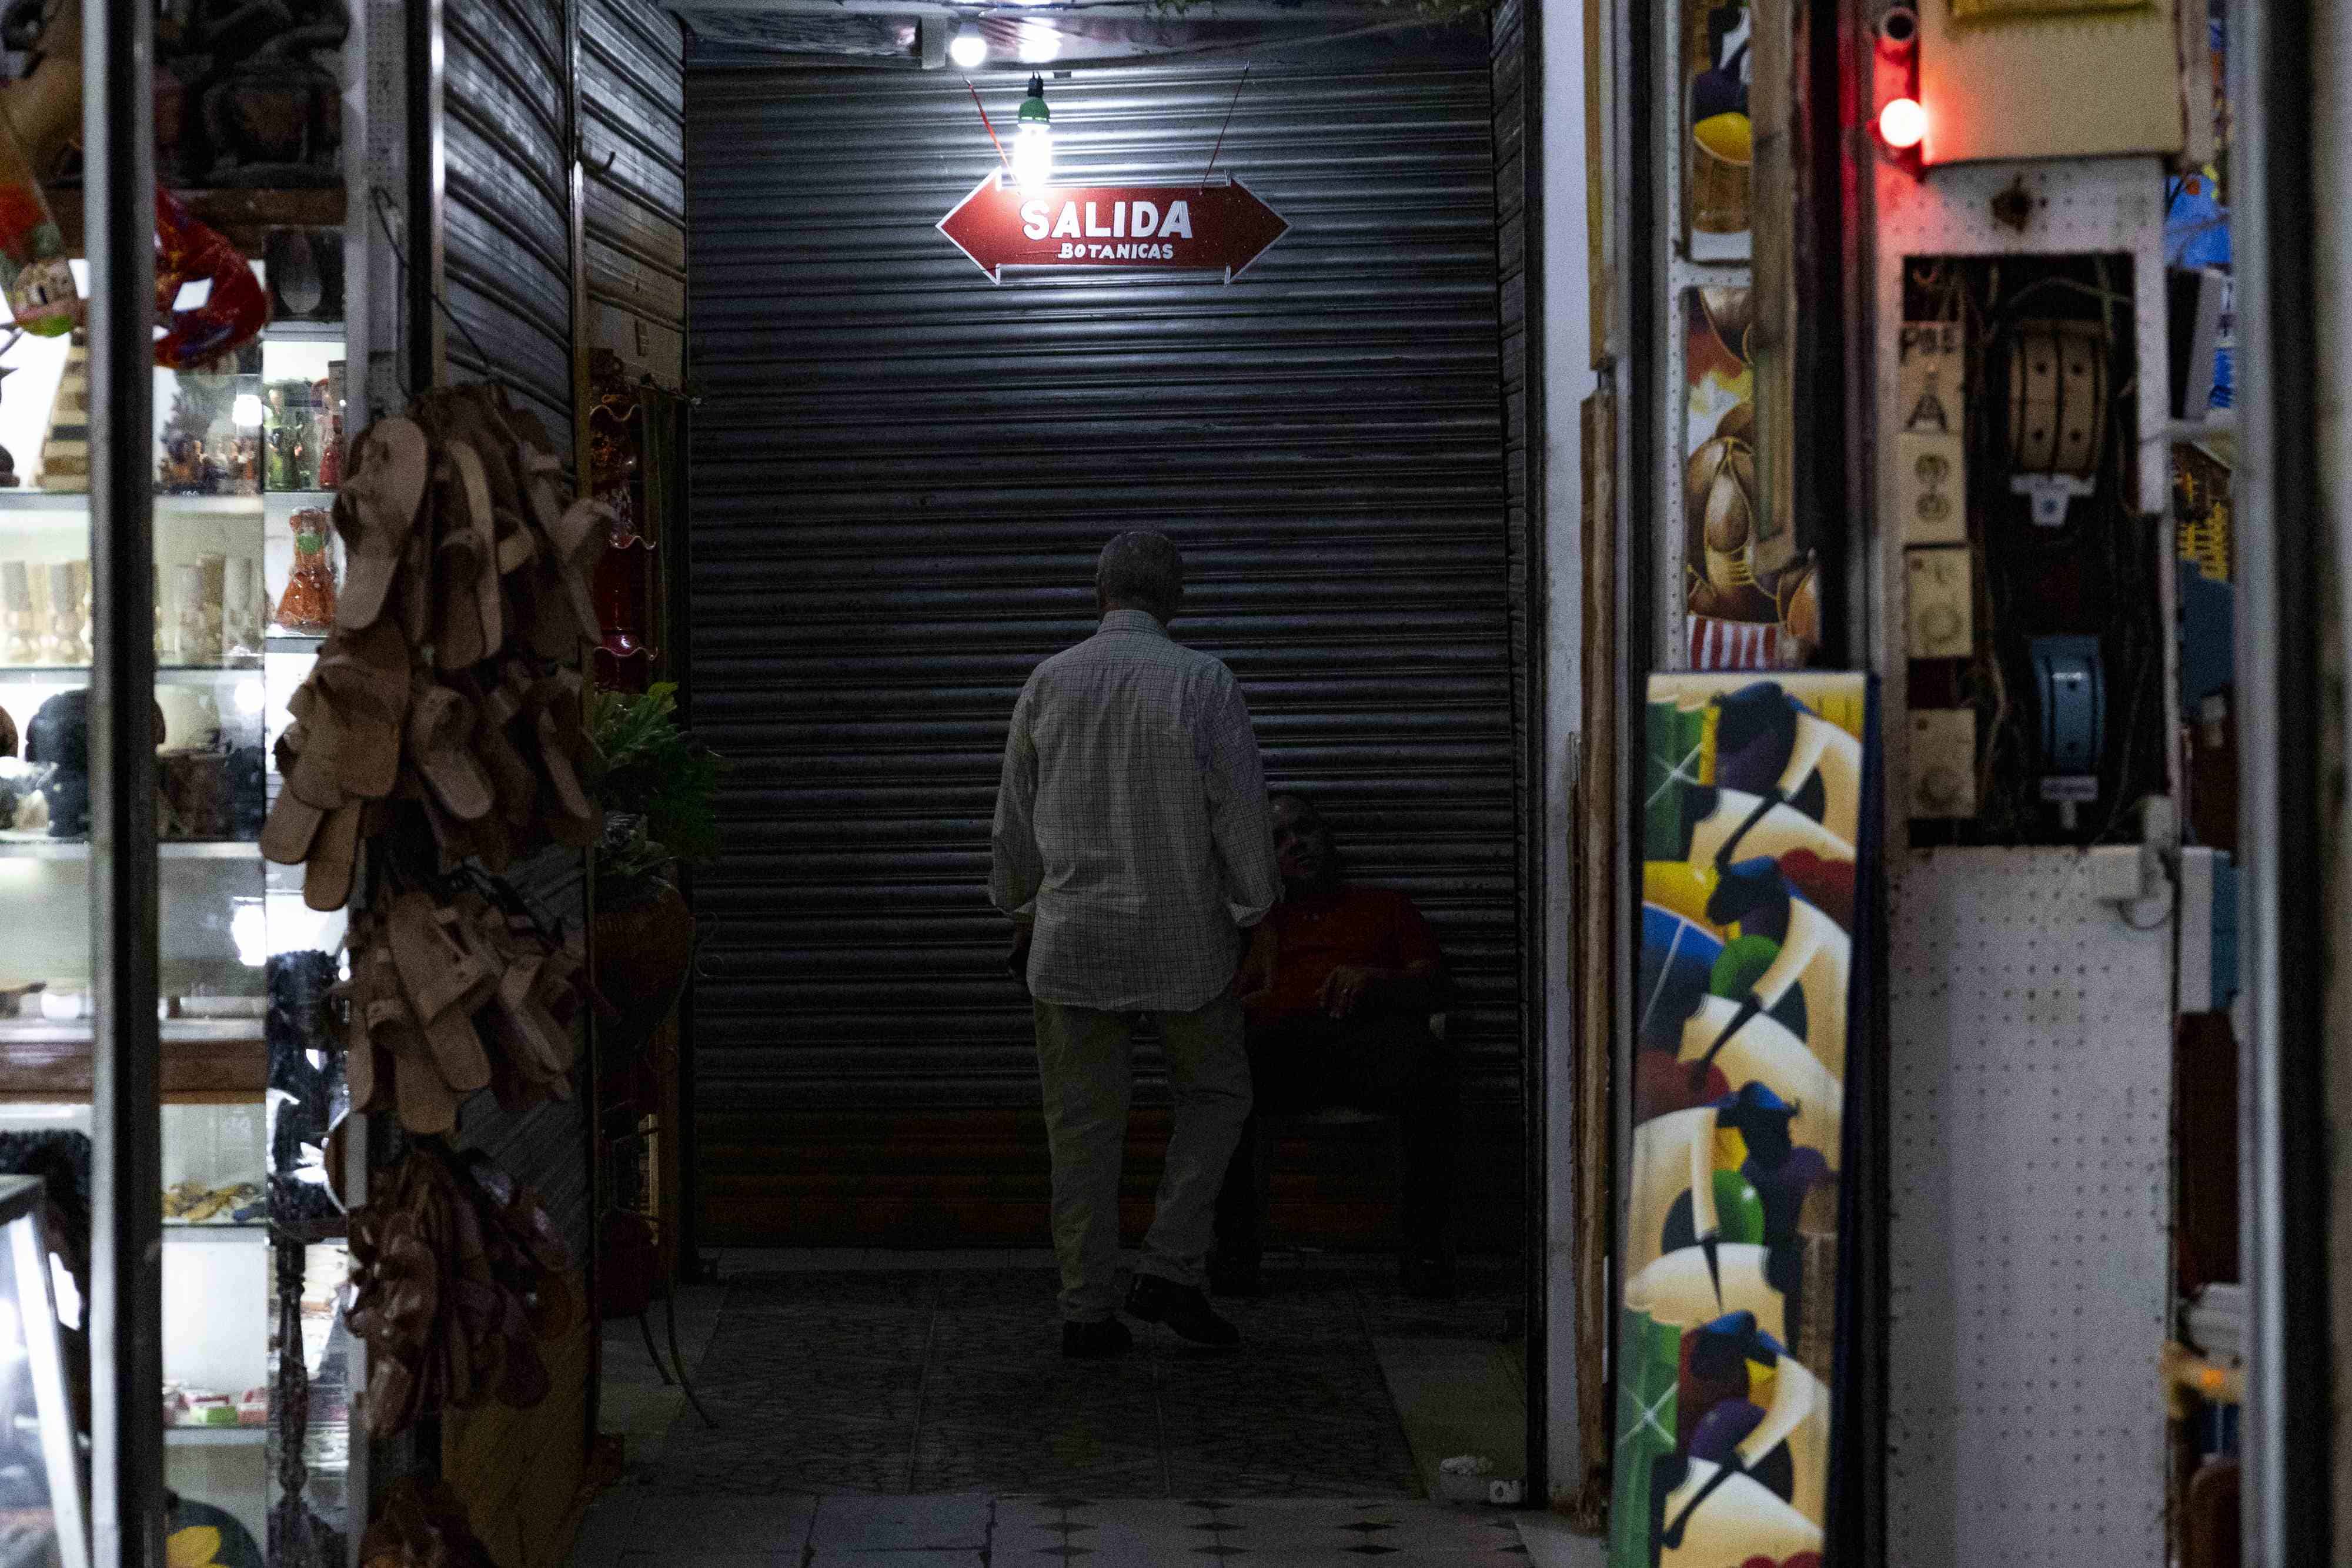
(2050, 82)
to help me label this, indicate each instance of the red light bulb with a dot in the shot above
(1902, 124)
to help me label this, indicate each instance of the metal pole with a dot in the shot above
(126, 1220)
(2282, 922)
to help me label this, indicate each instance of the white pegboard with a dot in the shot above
(2029, 1054)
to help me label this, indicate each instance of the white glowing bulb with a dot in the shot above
(1903, 124)
(250, 696)
(248, 411)
(967, 49)
(1039, 43)
(1033, 157)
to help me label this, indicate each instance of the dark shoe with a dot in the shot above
(1097, 1340)
(1426, 1279)
(1241, 1278)
(1152, 1299)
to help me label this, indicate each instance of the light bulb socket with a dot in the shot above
(1898, 32)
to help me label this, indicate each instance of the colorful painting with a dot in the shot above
(1718, 139)
(1751, 601)
(1753, 817)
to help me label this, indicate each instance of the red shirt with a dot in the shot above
(1372, 927)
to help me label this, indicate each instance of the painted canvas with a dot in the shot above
(1753, 819)
(1717, 136)
(1751, 601)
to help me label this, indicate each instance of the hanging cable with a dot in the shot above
(1222, 129)
(985, 126)
(490, 371)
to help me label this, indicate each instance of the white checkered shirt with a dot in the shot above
(1132, 812)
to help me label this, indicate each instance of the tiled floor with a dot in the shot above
(1050, 1531)
(942, 1379)
(913, 1409)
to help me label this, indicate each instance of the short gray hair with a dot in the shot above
(1141, 569)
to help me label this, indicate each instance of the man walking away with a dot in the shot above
(1134, 852)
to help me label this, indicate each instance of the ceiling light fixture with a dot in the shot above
(1040, 44)
(969, 49)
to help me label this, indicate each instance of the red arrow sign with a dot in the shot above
(1217, 227)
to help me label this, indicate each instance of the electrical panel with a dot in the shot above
(2032, 614)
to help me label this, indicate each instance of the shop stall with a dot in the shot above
(1917, 366)
(296, 621)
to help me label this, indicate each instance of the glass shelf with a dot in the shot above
(233, 1234)
(170, 849)
(165, 674)
(175, 1031)
(216, 1437)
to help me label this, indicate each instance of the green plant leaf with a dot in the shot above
(647, 767)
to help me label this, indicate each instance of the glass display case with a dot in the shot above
(43, 1510)
(256, 1364)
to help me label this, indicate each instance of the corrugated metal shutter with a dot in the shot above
(546, 1145)
(902, 475)
(507, 215)
(633, 144)
(508, 277)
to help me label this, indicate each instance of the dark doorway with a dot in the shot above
(902, 473)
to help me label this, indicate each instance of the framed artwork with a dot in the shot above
(1753, 824)
(1751, 601)
(1717, 136)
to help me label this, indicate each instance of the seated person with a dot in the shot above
(1345, 1021)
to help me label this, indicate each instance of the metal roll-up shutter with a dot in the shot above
(507, 213)
(633, 145)
(902, 475)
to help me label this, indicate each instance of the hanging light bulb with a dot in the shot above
(247, 410)
(967, 49)
(1040, 44)
(1033, 142)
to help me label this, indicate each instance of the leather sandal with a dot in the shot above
(333, 860)
(444, 984)
(490, 598)
(440, 747)
(291, 828)
(375, 510)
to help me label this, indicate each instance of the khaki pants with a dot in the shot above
(1085, 1061)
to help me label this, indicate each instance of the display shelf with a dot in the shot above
(208, 506)
(176, 1031)
(305, 331)
(206, 1233)
(296, 501)
(165, 674)
(207, 1061)
(41, 848)
(244, 216)
(216, 1437)
(296, 641)
(74, 503)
